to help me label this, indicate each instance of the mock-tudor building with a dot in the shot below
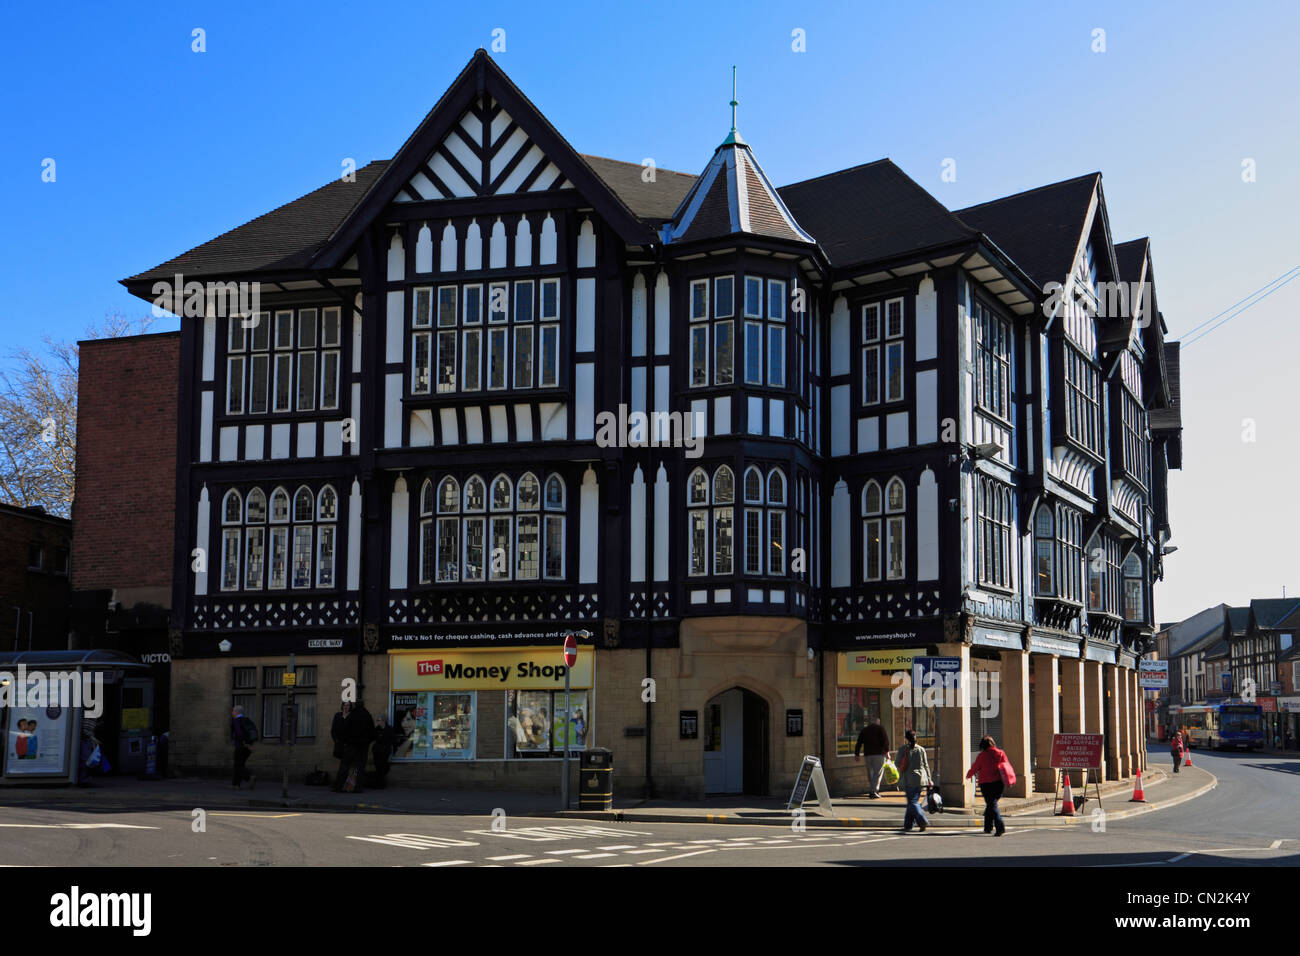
(766, 445)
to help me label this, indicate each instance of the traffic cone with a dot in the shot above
(1067, 801)
(1187, 757)
(1138, 795)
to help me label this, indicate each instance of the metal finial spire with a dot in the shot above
(733, 136)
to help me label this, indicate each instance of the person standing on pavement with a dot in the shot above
(241, 738)
(875, 742)
(385, 743)
(353, 729)
(1176, 749)
(989, 777)
(914, 776)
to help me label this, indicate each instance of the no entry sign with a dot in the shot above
(570, 651)
(1076, 751)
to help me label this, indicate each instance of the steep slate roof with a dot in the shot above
(655, 201)
(734, 196)
(1039, 229)
(871, 212)
(1238, 620)
(284, 238)
(1268, 613)
(1171, 418)
(1130, 256)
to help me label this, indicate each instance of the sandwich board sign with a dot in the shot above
(810, 772)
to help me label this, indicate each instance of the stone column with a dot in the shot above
(954, 737)
(1125, 725)
(1014, 709)
(1044, 718)
(1072, 704)
(1110, 700)
(1135, 715)
(1093, 702)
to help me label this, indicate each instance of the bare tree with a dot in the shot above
(38, 418)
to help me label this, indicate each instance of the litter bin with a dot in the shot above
(596, 780)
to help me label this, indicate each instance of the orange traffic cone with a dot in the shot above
(1138, 795)
(1187, 757)
(1067, 801)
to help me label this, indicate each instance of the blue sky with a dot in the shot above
(159, 148)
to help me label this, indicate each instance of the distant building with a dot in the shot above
(35, 554)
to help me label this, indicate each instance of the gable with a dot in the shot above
(485, 153)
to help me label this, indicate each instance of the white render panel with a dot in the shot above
(662, 511)
(545, 178)
(504, 153)
(499, 125)
(228, 444)
(523, 242)
(776, 417)
(868, 434)
(589, 529)
(896, 430)
(638, 390)
(332, 445)
(421, 428)
(546, 243)
(722, 415)
(354, 537)
(393, 410)
(397, 574)
(447, 249)
(584, 392)
(662, 395)
(497, 246)
(457, 147)
(754, 595)
(638, 315)
(555, 421)
(840, 420)
(254, 442)
(354, 420)
(754, 415)
(424, 249)
(841, 527)
(205, 426)
(280, 435)
(927, 312)
(699, 421)
(422, 185)
(523, 423)
(356, 341)
(306, 440)
(447, 173)
(840, 338)
(450, 429)
(586, 245)
(201, 542)
(532, 159)
(396, 259)
(636, 538)
(927, 406)
(209, 348)
(662, 313)
(927, 527)
(585, 340)
(473, 247)
(395, 337)
(473, 425)
(500, 424)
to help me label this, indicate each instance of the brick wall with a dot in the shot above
(126, 462)
(34, 602)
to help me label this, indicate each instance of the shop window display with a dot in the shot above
(537, 724)
(434, 725)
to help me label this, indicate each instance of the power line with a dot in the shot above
(1241, 310)
(1192, 331)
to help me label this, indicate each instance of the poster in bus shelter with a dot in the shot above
(37, 741)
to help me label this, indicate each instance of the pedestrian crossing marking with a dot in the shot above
(448, 863)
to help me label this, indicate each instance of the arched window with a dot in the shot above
(721, 521)
(454, 541)
(304, 505)
(232, 513)
(553, 563)
(279, 506)
(279, 565)
(326, 536)
(753, 486)
(328, 504)
(753, 521)
(1134, 589)
(1044, 552)
(255, 540)
(697, 536)
(776, 521)
(698, 488)
(304, 509)
(895, 529)
(426, 498)
(871, 531)
(724, 493)
(994, 538)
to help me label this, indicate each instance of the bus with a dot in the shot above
(1221, 725)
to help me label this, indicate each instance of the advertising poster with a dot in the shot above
(37, 741)
(853, 707)
(577, 727)
(434, 726)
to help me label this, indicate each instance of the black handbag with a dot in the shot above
(933, 799)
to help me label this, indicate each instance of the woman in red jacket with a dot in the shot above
(990, 782)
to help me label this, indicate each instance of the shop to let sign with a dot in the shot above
(1076, 751)
(1153, 675)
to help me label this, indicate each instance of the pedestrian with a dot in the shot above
(242, 735)
(385, 744)
(914, 776)
(987, 774)
(353, 729)
(875, 742)
(1176, 749)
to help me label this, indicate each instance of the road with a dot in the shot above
(1249, 819)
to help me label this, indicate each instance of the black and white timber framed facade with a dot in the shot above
(919, 430)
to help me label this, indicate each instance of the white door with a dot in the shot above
(724, 755)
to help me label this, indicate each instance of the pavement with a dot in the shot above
(1162, 789)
